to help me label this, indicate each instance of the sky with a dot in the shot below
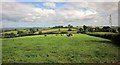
(44, 13)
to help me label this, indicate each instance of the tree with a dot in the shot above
(9, 35)
(12, 35)
(106, 29)
(97, 29)
(90, 29)
(69, 29)
(70, 26)
(80, 30)
(21, 33)
(114, 30)
(32, 31)
(119, 29)
(84, 27)
(6, 35)
(37, 29)
(59, 30)
(40, 32)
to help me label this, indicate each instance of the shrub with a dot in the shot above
(97, 29)
(6, 35)
(84, 27)
(115, 39)
(21, 33)
(119, 29)
(69, 29)
(107, 36)
(40, 32)
(106, 29)
(90, 29)
(114, 30)
(9, 35)
(80, 30)
(12, 35)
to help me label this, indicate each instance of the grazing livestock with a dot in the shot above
(69, 35)
(45, 35)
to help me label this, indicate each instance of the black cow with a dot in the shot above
(45, 35)
(69, 35)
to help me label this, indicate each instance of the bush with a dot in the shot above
(9, 35)
(90, 29)
(106, 36)
(114, 30)
(40, 32)
(119, 29)
(69, 29)
(115, 39)
(12, 35)
(21, 33)
(6, 35)
(106, 29)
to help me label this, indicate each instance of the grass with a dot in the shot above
(43, 31)
(80, 48)
(57, 30)
(101, 33)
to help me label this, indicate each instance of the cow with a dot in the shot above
(69, 35)
(45, 35)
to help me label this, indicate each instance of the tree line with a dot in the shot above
(84, 29)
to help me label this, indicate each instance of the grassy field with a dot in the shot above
(74, 30)
(101, 33)
(80, 48)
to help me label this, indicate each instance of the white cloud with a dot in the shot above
(22, 12)
(75, 14)
(61, 0)
(71, 12)
(49, 4)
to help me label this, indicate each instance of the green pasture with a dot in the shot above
(54, 48)
(15, 32)
(57, 30)
(44, 30)
(101, 32)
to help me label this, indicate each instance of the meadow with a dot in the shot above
(80, 48)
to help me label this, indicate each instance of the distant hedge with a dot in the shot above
(115, 38)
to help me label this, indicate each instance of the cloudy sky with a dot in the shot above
(20, 13)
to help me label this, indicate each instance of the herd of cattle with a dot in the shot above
(68, 35)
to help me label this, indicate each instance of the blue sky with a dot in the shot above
(24, 13)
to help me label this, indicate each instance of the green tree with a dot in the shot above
(40, 32)
(6, 35)
(32, 31)
(69, 29)
(119, 29)
(21, 33)
(70, 26)
(84, 27)
(12, 35)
